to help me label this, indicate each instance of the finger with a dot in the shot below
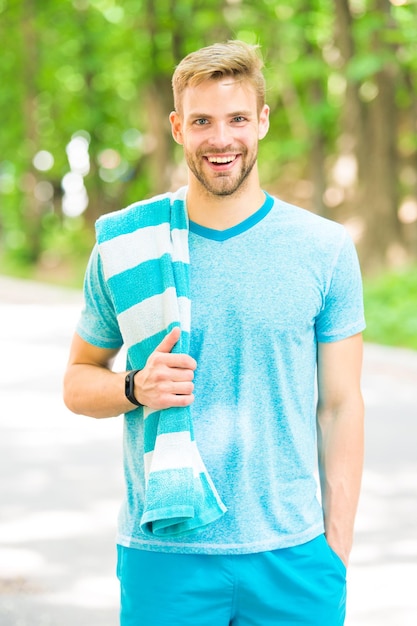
(169, 341)
(177, 361)
(180, 400)
(182, 389)
(181, 375)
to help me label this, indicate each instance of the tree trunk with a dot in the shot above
(378, 162)
(378, 177)
(373, 129)
(159, 103)
(159, 106)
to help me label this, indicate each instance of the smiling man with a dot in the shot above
(221, 144)
(234, 307)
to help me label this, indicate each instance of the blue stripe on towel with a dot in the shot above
(138, 353)
(136, 216)
(176, 516)
(142, 214)
(163, 272)
(164, 422)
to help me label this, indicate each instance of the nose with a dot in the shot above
(220, 136)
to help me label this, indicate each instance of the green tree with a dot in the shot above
(86, 94)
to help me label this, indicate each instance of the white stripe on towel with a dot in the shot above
(144, 244)
(174, 451)
(154, 315)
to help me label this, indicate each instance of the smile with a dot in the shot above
(221, 159)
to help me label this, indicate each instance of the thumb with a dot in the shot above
(169, 341)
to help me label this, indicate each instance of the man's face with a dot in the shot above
(219, 128)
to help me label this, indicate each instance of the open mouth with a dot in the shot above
(222, 163)
(222, 160)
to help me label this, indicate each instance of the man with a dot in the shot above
(276, 305)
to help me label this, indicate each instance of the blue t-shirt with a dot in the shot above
(263, 294)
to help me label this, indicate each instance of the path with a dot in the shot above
(61, 484)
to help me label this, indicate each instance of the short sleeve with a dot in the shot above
(98, 322)
(342, 314)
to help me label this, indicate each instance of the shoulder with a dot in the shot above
(307, 228)
(303, 218)
(153, 211)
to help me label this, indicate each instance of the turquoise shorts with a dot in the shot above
(303, 585)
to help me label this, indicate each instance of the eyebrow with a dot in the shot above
(231, 114)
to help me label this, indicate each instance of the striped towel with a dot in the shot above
(144, 252)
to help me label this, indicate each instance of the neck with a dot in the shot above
(222, 212)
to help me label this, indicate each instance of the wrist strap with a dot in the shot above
(130, 387)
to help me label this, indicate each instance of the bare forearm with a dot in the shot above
(92, 388)
(95, 391)
(341, 443)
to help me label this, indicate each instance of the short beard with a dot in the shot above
(226, 189)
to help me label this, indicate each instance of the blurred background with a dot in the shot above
(85, 94)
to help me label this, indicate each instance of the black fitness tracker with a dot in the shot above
(130, 387)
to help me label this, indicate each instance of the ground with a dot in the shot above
(61, 481)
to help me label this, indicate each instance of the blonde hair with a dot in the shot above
(231, 59)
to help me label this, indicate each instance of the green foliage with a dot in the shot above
(103, 68)
(391, 309)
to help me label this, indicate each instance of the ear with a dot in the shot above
(263, 122)
(176, 126)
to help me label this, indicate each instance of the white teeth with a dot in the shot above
(228, 159)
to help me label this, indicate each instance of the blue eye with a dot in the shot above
(201, 121)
